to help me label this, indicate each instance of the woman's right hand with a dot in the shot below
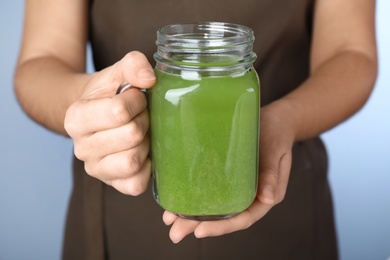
(109, 131)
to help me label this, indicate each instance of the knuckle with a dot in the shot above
(80, 152)
(119, 111)
(137, 187)
(280, 198)
(70, 123)
(136, 132)
(89, 169)
(131, 186)
(130, 56)
(133, 164)
(248, 224)
(129, 138)
(271, 173)
(250, 220)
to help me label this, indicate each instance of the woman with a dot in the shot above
(317, 62)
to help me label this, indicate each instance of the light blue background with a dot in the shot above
(35, 164)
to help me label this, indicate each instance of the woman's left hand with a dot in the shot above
(276, 140)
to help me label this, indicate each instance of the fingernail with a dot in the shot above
(147, 74)
(268, 195)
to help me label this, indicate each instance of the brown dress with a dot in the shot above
(105, 224)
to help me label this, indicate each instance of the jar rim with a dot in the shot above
(217, 34)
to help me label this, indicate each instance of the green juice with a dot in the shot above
(204, 135)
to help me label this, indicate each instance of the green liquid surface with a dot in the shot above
(204, 133)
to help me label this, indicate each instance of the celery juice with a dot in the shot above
(204, 142)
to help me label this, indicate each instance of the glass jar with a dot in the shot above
(204, 112)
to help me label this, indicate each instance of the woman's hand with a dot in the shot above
(110, 131)
(276, 140)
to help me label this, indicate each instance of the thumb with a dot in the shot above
(273, 178)
(133, 68)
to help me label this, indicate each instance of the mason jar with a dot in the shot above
(204, 112)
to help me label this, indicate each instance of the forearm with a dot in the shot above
(337, 89)
(45, 88)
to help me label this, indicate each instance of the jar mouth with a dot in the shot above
(205, 46)
(204, 35)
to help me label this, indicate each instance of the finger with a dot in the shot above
(92, 115)
(181, 228)
(169, 218)
(103, 143)
(120, 165)
(239, 222)
(136, 184)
